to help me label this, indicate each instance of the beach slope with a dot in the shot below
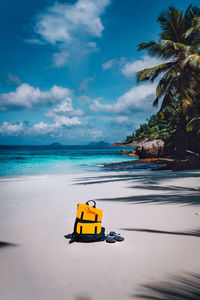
(158, 213)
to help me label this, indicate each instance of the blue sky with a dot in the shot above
(68, 69)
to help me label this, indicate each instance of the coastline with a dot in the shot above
(156, 212)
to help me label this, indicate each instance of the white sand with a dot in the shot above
(37, 212)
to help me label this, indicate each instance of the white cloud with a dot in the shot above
(60, 58)
(27, 96)
(60, 22)
(108, 64)
(66, 121)
(62, 120)
(131, 68)
(139, 98)
(11, 129)
(64, 107)
(84, 84)
(41, 129)
(60, 123)
(62, 114)
(65, 24)
(76, 112)
(114, 64)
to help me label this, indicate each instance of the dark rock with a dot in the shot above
(187, 164)
(147, 163)
(132, 152)
(124, 151)
(150, 149)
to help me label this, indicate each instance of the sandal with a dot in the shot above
(116, 236)
(110, 239)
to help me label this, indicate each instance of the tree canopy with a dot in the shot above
(178, 76)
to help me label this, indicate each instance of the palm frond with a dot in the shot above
(168, 44)
(167, 100)
(194, 125)
(195, 26)
(186, 103)
(156, 50)
(154, 72)
(171, 24)
(193, 61)
(179, 45)
(165, 84)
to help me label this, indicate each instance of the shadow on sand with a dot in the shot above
(190, 199)
(186, 287)
(195, 232)
(151, 181)
(144, 178)
(6, 244)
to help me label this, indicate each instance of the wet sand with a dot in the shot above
(158, 213)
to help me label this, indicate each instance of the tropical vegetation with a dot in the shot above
(177, 77)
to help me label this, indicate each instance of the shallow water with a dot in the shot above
(39, 160)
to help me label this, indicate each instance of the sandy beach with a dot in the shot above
(158, 213)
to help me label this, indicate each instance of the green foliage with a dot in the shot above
(159, 126)
(178, 76)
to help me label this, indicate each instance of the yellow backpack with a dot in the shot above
(87, 227)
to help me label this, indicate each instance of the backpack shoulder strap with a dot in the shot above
(94, 203)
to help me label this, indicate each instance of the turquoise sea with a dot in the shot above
(40, 160)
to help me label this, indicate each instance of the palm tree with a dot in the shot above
(179, 74)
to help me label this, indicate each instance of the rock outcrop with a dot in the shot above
(150, 149)
(131, 152)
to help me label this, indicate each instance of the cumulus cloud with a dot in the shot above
(41, 129)
(131, 68)
(11, 129)
(139, 98)
(64, 107)
(60, 122)
(64, 24)
(76, 112)
(62, 115)
(27, 96)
